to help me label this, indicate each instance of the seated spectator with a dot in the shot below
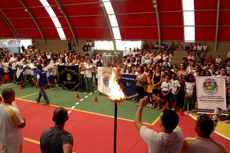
(203, 143)
(191, 56)
(56, 139)
(170, 137)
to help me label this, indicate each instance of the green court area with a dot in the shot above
(86, 102)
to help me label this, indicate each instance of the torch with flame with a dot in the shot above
(115, 94)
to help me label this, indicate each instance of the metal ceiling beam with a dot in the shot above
(155, 6)
(9, 24)
(34, 19)
(217, 24)
(63, 11)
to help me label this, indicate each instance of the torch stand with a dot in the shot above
(115, 129)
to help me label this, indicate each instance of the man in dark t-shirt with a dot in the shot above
(56, 139)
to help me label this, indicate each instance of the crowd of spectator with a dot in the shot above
(172, 85)
(167, 84)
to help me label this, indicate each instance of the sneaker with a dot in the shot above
(37, 100)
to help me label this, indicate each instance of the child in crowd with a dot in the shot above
(175, 85)
(189, 99)
(149, 89)
(165, 90)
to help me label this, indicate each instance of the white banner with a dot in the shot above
(211, 93)
(103, 79)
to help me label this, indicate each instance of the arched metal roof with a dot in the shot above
(136, 19)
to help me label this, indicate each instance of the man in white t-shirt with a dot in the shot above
(11, 124)
(203, 143)
(169, 139)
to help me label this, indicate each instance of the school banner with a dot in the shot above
(68, 77)
(211, 93)
(103, 79)
(128, 84)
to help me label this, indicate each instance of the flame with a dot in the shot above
(115, 93)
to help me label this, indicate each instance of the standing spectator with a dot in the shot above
(56, 139)
(11, 124)
(203, 143)
(42, 82)
(166, 90)
(189, 89)
(175, 85)
(88, 76)
(169, 139)
(82, 74)
(141, 82)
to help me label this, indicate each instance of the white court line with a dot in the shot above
(86, 96)
(81, 99)
(73, 107)
(214, 131)
(76, 103)
(7, 84)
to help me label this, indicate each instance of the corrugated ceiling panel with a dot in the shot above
(10, 4)
(94, 33)
(205, 4)
(39, 12)
(137, 20)
(51, 33)
(68, 33)
(171, 19)
(16, 13)
(224, 33)
(46, 22)
(57, 11)
(205, 18)
(224, 18)
(139, 33)
(172, 33)
(28, 33)
(63, 22)
(89, 21)
(169, 5)
(33, 3)
(89, 9)
(224, 4)
(132, 6)
(25, 23)
(78, 1)
(4, 30)
(205, 33)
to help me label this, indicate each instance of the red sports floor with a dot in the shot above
(92, 133)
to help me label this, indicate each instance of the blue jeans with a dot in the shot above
(88, 84)
(82, 82)
(42, 92)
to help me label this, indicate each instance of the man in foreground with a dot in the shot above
(203, 143)
(56, 139)
(11, 124)
(169, 140)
